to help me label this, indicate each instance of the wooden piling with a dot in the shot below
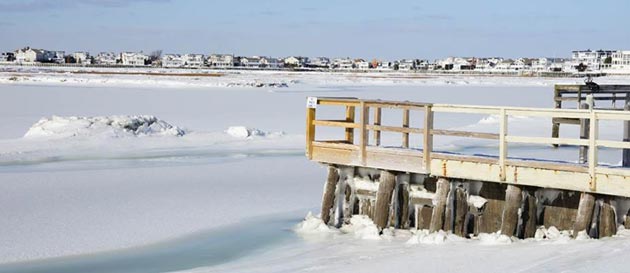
(439, 204)
(607, 220)
(584, 213)
(384, 199)
(530, 213)
(460, 211)
(509, 220)
(328, 199)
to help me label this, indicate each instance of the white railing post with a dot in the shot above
(363, 134)
(427, 146)
(502, 144)
(592, 150)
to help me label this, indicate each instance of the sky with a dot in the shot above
(368, 29)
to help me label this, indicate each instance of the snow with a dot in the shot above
(312, 225)
(476, 201)
(80, 183)
(110, 126)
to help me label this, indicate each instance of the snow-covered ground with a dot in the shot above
(92, 163)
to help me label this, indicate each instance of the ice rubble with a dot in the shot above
(107, 126)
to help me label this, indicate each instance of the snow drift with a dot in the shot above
(108, 126)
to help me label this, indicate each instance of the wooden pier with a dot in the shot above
(404, 186)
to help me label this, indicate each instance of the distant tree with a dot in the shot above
(396, 66)
(581, 67)
(155, 55)
(608, 60)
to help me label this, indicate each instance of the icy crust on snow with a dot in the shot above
(107, 126)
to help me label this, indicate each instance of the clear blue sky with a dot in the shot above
(336, 28)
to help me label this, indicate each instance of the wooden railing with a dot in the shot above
(351, 123)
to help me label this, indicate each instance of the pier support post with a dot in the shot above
(530, 213)
(439, 204)
(384, 199)
(328, 199)
(509, 220)
(584, 214)
(460, 209)
(607, 220)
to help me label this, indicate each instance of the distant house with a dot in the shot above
(384, 65)
(106, 58)
(361, 64)
(250, 62)
(172, 61)
(292, 62)
(221, 60)
(620, 61)
(343, 64)
(406, 64)
(318, 62)
(541, 64)
(592, 59)
(133, 59)
(270, 62)
(32, 55)
(82, 57)
(193, 60)
(6, 57)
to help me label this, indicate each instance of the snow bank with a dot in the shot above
(107, 126)
(312, 225)
(361, 227)
(494, 239)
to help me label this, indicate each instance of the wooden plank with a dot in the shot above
(503, 147)
(592, 151)
(442, 132)
(350, 112)
(405, 124)
(427, 142)
(381, 128)
(310, 131)
(363, 138)
(546, 140)
(336, 123)
(377, 123)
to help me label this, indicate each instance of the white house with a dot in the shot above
(343, 64)
(221, 60)
(384, 65)
(59, 57)
(31, 55)
(318, 62)
(292, 61)
(106, 58)
(270, 62)
(133, 59)
(620, 62)
(251, 62)
(193, 60)
(82, 57)
(593, 59)
(361, 64)
(172, 60)
(406, 64)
